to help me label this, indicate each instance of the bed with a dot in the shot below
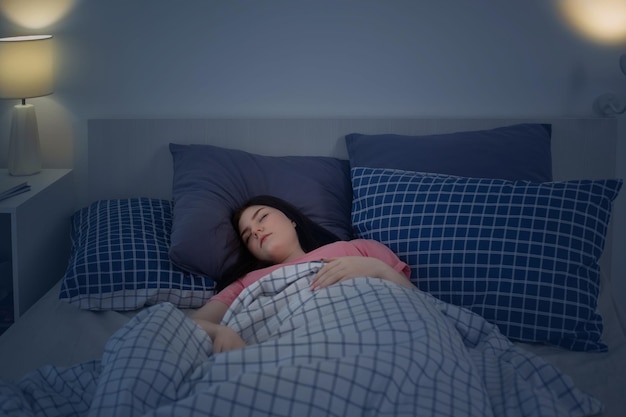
(151, 233)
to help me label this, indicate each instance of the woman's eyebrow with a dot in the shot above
(253, 217)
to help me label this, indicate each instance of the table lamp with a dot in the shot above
(25, 72)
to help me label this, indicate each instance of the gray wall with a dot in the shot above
(311, 58)
(302, 58)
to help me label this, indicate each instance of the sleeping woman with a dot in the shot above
(274, 233)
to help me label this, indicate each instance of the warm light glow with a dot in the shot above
(601, 20)
(26, 66)
(35, 14)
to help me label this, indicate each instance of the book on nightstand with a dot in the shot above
(9, 190)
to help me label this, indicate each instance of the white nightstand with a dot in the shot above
(35, 236)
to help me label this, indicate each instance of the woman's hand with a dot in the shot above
(224, 338)
(347, 267)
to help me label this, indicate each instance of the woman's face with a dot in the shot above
(269, 235)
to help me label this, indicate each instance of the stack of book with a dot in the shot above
(11, 189)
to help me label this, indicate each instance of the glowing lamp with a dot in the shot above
(26, 71)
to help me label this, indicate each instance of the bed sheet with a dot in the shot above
(601, 374)
(54, 332)
(57, 333)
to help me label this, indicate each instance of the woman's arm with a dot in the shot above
(340, 269)
(209, 317)
(212, 311)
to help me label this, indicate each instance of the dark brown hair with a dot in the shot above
(310, 235)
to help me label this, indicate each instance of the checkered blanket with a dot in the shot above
(361, 347)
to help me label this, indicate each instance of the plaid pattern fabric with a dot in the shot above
(119, 259)
(523, 255)
(362, 347)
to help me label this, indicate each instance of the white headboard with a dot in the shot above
(130, 157)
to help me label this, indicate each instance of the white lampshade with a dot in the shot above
(26, 66)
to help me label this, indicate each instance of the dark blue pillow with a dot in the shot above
(523, 255)
(210, 182)
(119, 259)
(517, 152)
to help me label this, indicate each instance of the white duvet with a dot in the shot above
(362, 347)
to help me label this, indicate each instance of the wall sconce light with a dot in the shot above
(25, 72)
(603, 21)
(609, 104)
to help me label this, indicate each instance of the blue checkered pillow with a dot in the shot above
(120, 260)
(523, 255)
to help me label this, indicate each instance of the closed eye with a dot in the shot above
(246, 233)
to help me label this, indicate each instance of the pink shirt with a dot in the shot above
(357, 247)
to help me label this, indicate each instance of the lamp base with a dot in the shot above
(24, 149)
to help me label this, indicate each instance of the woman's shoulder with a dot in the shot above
(359, 245)
(365, 242)
(334, 249)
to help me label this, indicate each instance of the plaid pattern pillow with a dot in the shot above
(523, 255)
(120, 260)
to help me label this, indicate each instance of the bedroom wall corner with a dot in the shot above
(618, 266)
